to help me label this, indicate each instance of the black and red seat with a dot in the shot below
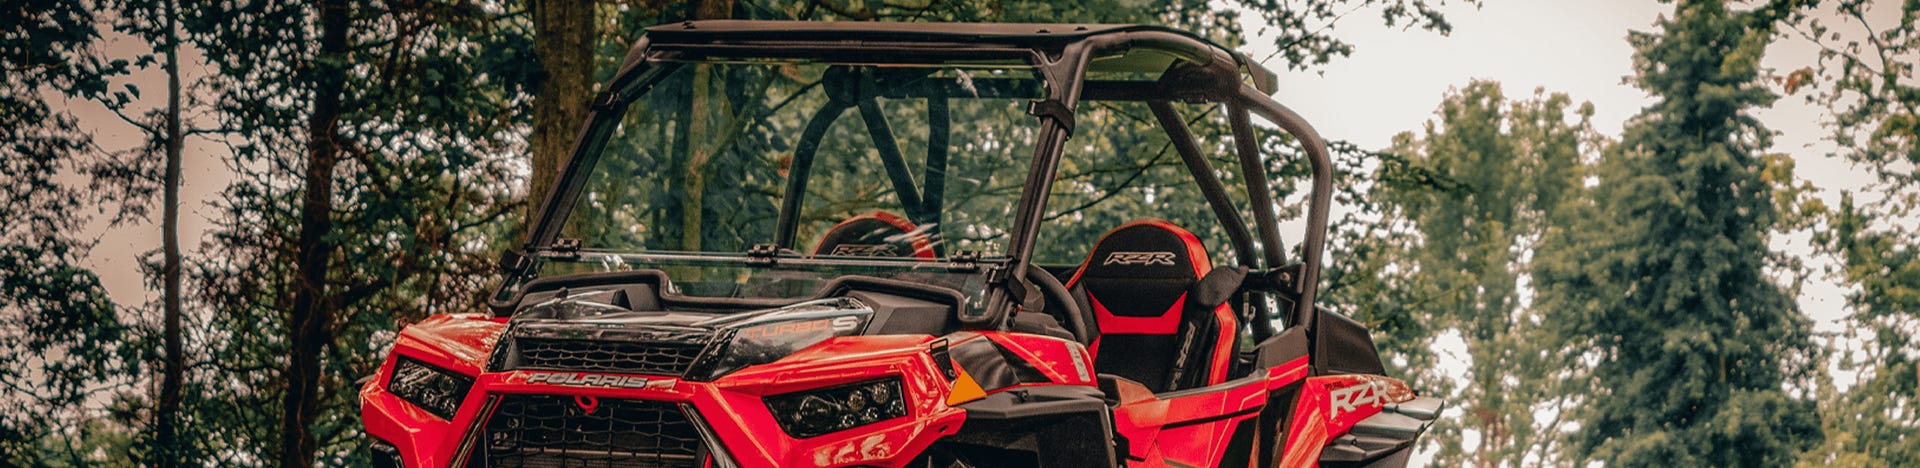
(1138, 285)
(874, 234)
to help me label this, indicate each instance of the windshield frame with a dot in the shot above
(1062, 60)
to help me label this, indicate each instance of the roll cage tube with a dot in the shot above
(922, 205)
(1062, 64)
(1321, 199)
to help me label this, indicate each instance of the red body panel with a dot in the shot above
(1329, 406)
(1188, 428)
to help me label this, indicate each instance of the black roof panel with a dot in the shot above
(1022, 34)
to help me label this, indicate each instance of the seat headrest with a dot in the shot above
(874, 234)
(1147, 249)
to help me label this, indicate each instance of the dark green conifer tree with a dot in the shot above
(1659, 272)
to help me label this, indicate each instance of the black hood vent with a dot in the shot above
(581, 336)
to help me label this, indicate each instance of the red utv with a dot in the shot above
(942, 245)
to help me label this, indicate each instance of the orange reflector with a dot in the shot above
(965, 389)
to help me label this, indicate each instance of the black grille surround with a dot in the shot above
(608, 356)
(566, 431)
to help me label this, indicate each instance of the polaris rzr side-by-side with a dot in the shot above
(886, 244)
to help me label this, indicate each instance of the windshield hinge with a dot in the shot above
(513, 263)
(762, 254)
(605, 99)
(997, 275)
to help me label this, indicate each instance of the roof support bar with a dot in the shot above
(1210, 186)
(1308, 283)
(802, 168)
(939, 134)
(890, 157)
(1247, 143)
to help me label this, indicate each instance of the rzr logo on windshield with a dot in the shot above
(1139, 258)
(864, 250)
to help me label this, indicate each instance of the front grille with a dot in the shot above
(607, 356)
(558, 431)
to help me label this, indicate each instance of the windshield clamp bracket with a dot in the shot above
(762, 255)
(965, 260)
(563, 248)
(1053, 109)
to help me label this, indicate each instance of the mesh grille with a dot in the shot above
(556, 431)
(608, 356)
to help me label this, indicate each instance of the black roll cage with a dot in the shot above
(1061, 54)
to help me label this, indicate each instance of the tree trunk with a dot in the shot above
(564, 33)
(167, 409)
(693, 214)
(312, 313)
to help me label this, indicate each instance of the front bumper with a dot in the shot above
(667, 421)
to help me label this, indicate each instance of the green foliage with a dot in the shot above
(425, 189)
(1864, 78)
(62, 339)
(1658, 272)
(1870, 423)
(1459, 255)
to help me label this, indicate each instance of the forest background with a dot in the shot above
(1581, 285)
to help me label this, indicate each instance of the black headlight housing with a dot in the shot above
(819, 411)
(437, 390)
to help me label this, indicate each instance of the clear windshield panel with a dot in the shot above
(897, 162)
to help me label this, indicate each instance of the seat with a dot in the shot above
(1137, 283)
(874, 234)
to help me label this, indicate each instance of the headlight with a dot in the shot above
(439, 391)
(819, 411)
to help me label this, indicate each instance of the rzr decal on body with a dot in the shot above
(1345, 400)
(598, 380)
(1139, 258)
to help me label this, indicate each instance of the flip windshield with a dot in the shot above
(717, 155)
(885, 165)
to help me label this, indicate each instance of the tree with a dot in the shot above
(398, 126)
(1657, 270)
(310, 322)
(60, 337)
(1513, 163)
(1868, 52)
(564, 35)
(157, 23)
